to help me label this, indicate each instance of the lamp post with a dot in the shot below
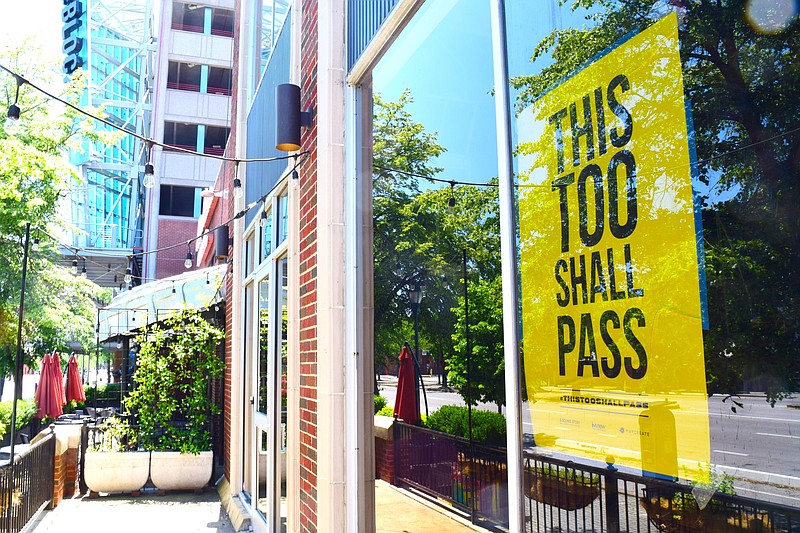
(415, 298)
(18, 363)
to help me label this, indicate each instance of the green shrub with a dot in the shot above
(488, 427)
(380, 403)
(109, 391)
(26, 411)
(386, 410)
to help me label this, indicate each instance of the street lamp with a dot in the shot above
(415, 298)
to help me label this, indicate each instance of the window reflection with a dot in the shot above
(283, 213)
(263, 362)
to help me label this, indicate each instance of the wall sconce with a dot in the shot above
(221, 242)
(289, 117)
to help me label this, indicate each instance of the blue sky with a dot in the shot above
(445, 58)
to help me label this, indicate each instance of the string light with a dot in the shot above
(128, 276)
(263, 221)
(149, 178)
(12, 117)
(188, 262)
(152, 142)
(75, 267)
(83, 272)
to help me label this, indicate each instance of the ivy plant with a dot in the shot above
(176, 365)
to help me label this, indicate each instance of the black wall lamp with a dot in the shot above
(289, 118)
(221, 243)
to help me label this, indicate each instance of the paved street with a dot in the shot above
(758, 442)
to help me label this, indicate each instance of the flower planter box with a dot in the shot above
(563, 492)
(684, 515)
(181, 471)
(116, 471)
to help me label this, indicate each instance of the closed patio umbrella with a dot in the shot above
(406, 405)
(74, 384)
(50, 394)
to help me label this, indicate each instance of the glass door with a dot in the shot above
(280, 370)
(263, 512)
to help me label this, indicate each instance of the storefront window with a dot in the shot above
(655, 153)
(656, 182)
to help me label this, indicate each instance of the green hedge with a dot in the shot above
(386, 410)
(488, 427)
(26, 411)
(110, 391)
(380, 403)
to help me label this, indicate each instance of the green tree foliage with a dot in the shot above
(483, 365)
(34, 176)
(401, 149)
(419, 237)
(743, 86)
(176, 364)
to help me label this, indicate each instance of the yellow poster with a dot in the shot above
(611, 314)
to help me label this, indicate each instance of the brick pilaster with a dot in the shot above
(308, 276)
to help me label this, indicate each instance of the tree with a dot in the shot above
(419, 237)
(402, 151)
(33, 176)
(743, 86)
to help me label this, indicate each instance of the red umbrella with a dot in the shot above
(406, 406)
(49, 393)
(74, 385)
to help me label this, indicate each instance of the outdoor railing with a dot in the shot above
(564, 496)
(183, 86)
(471, 478)
(26, 485)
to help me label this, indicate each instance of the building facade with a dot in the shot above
(191, 113)
(299, 382)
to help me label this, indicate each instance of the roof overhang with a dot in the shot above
(158, 300)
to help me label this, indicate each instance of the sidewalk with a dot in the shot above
(397, 511)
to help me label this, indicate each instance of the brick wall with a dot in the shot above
(308, 276)
(70, 459)
(59, 478)
(173, 231)
(384, 460)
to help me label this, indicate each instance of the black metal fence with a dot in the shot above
(26, 485)
(564, 496)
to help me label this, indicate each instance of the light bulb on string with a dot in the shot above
(188, 262)
(12, 116)
(75, 267)
(128, 276)
(238, 192)
(149, 179)
(263, 221)
(451, 203)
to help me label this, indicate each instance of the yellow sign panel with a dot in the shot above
(612, 329)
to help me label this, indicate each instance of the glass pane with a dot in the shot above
(263, 348)
(262, 504)
(266, 235)
(658, 209)
(247, 391)
(280, 467)
(283, 226)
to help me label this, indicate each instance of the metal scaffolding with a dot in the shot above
(107, 203)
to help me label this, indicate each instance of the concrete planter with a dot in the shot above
(181, 471)
(116, 471)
